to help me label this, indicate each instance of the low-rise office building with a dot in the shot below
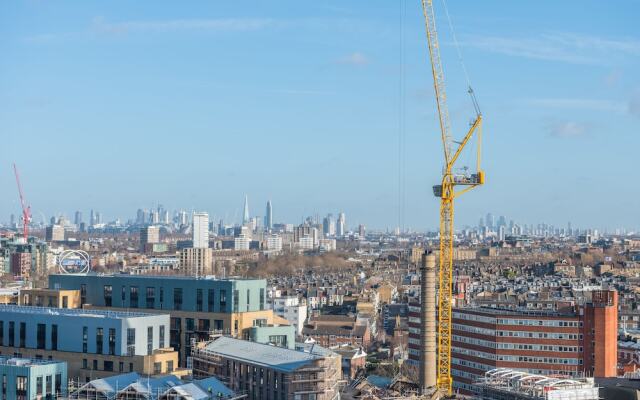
(269, 372)
(93, 343)
(198, 306)
(31, 379)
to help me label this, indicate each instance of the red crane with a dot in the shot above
(26, 210)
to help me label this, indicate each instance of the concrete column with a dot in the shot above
(428, 365)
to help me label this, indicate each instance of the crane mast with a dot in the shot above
(26, 210)
(447, 194)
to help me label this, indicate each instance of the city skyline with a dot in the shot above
(568, 93)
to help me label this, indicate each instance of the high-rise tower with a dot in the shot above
(341, 228)
(245, 215)
(268, 217)
(200, 230)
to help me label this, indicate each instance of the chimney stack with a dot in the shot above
(427, 323)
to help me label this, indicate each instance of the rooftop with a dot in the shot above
(25, 362)
(273, 357)
(71, 312)
(176, 277)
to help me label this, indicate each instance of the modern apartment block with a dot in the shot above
(291, 309)
(574, 343)
(197, 306)
(93, 343)
(270, 372)
(31, 379)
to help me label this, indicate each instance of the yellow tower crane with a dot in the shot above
(447, 193)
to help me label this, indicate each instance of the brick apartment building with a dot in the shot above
(336, 330)
(581, 341)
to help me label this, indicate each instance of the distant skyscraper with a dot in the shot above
(183, 218)
(98, 218)
(362, 231)
(78, 218)
(329, 226)
(165, 217)
(268, 217)
(92, 218)
(200, 230)
(341, 226)
(155, 217)
(245, 215)
(490, 222)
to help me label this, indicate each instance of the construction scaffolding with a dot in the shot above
(506, 383)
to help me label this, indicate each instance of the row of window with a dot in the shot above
(131, 340)
(150, 298)
(540, 322)
(107, 365)
(22, 339)
(44, 386)
(477, 342)
(474, 329)
(473, 353)
(541, 335)
(540, 360)
(473, 317)
(539, 347)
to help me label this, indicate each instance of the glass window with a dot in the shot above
(112, 341)
(83, 294)
(133, 297)
(151, 297)
(131, 341)
(12, 333)
(23, 334)
(39, 385)
(149, 340)
(108, 295)
(236, 300)
(85, 339)
(21, 387)
(54, 337)
(161, 339)
(58, 384)
(199, 300)
(99, 340)
(223, 300)
(49, 385)
(211, 300)
(41, 336)
(177, 298)
(261, 299)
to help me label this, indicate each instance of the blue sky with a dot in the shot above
(119, 105)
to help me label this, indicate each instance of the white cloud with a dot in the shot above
(355, 58)
(568, 129)
(564, 47)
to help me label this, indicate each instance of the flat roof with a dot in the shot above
(270, 356)
(73, 312)
(177, 277)
(25, 362)
(515, 312)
